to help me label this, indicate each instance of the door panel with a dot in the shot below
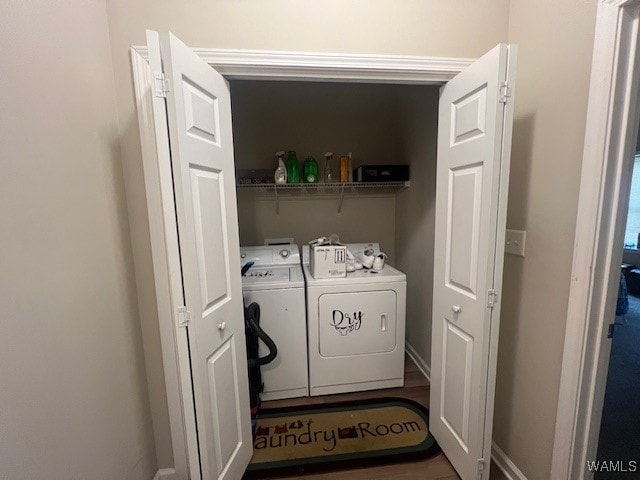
(198, 109)
(201, 113)
(463, 228)
(473, 138)
(224, 391)
(454, 406)
(468, 116)
(210, 235)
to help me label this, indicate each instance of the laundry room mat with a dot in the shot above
(296, 440)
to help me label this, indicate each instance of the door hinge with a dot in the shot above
(480, 468)
(612, 330)
(161, 85)
(183, 316)
(492, 298)
(505, 91)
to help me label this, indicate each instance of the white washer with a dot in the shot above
(356, 329)
(276, 283)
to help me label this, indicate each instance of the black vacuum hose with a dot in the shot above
(252, 316)
(246, 267)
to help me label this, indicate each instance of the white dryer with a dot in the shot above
(356, 329)
(276, 283)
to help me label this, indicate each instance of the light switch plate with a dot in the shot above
(514, 243)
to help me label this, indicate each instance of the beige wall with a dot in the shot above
(73, 394)
(555, 46)
(315, 117)
(462, 28)
(415, 214)
(364, 218)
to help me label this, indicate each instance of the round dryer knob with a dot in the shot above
(284, 253)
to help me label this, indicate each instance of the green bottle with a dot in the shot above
(310, 170)
(293, 169)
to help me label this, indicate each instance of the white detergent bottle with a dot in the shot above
(280, 176)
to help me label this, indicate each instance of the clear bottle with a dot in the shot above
(328, 175)
(280, 175)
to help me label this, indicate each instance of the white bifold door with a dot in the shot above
(192, 119)
(198, 115)
(474, 141)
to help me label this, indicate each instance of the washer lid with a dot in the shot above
(272, 277)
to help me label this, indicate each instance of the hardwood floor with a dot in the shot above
(417, 389)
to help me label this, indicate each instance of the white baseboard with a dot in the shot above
(165, 474)
(505, 464)
(418, 360)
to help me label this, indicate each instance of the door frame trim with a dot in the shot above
(611, 131)
(251, 65)
(318, 67)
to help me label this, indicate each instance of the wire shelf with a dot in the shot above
(322, 189)
(321, 186)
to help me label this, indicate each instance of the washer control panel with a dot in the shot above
(270, 255)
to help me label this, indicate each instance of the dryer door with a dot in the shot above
(357, 323)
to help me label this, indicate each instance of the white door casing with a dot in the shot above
(198, 106)
(474, 140)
